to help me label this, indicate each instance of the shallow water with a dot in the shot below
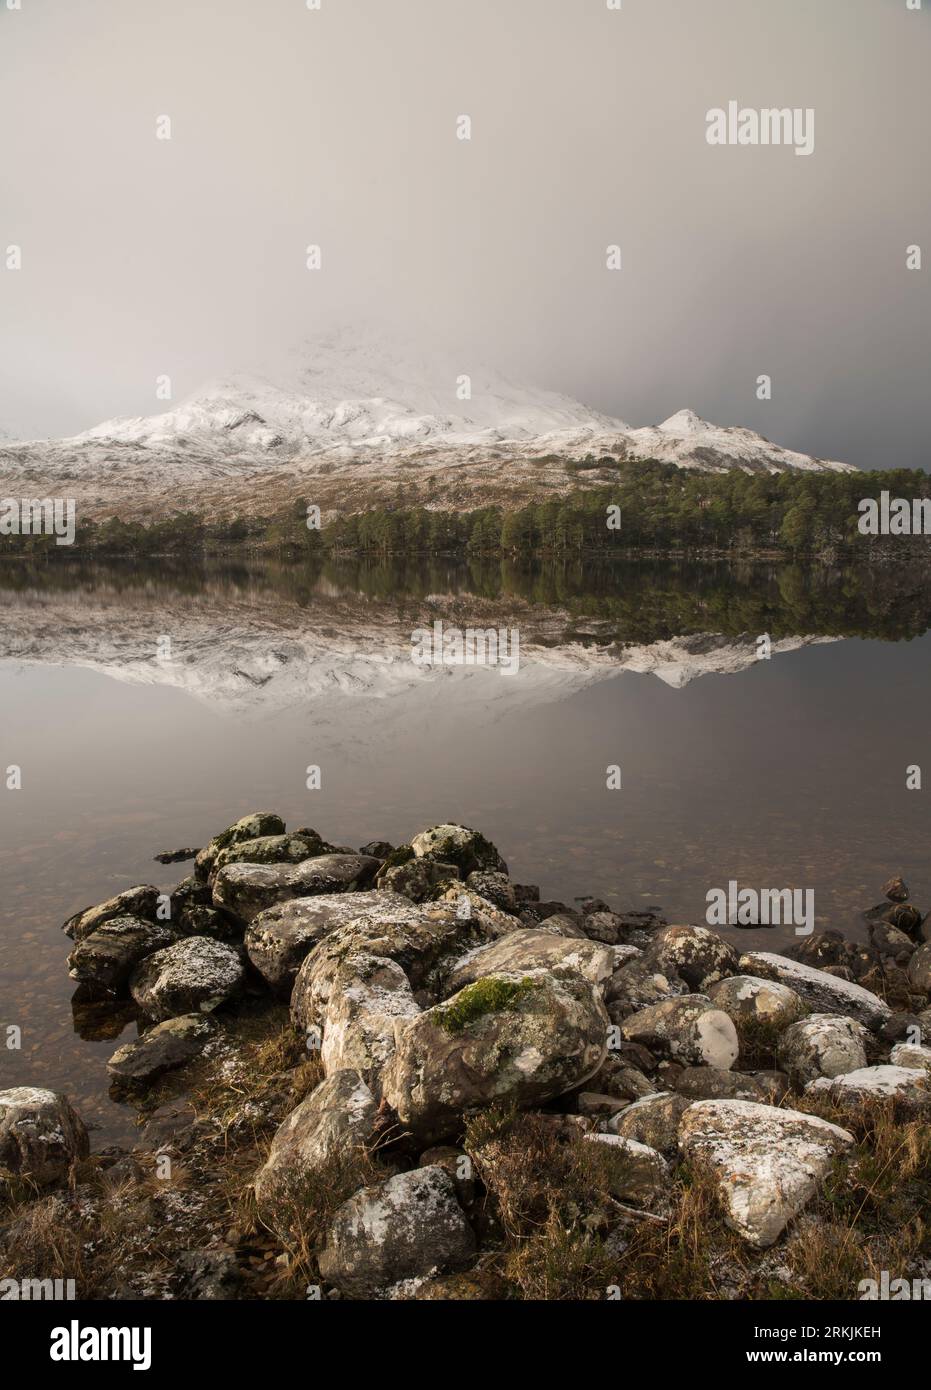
(788, 772)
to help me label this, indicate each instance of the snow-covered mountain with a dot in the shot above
(369, 415)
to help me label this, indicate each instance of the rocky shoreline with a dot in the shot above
(392, 1072)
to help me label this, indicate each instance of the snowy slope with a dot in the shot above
(349, 419)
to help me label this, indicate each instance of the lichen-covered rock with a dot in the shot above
(418, 879)
(507, 1038)
(687, 1029)
(251, 827)
(40, 1135)
(525, 950)
(919, 969)
(641, 1176)
(769, 1162)
(911, 1055)
(279, 939)
(748, 999)
(496, 888)
(696, 955)
(419, 939)
(654, 1120)
(895, 889)
(909, 1087)
(270, 849)
(826, 993)
(105, 957)
(195, 975)
(467, 849)
(404, 1229)
(821, 1045)
(163, 1048)
(467, 903)
(713, 1083)
(337, 1118)
(141, 901)
(371, 996)
(636, 984)
(245, 890)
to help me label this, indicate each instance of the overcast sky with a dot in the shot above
(338, 127)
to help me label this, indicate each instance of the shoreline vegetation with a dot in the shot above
(394, 1072)
(663, 510)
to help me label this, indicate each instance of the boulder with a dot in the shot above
(496, 888)
(821, 1045)
(769, 1162)
(405, 1229)
(715, 1083)
(270, 849)
(895, 890)
(823, 992)
(418, 939)
(163, 1048)
(559, 924)
(506, 1038)
(526, 950)
(891, 943)
(418, 879)
(250, 827)
(245, 890)
(195, 975)
(641, 1176)
(911, 1055)
(371, 996)
(457, 844)
(40, 1135)
(654, 1120)
(618, 1079)
(694, 954)
(688, 1030)
(919, 969)
(337, 1118)
(635, 984)
(747, 999)
(141, 901)
(105, 957)
(909, 1087)
(280, 938)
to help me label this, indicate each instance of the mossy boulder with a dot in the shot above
(467, 849)
(509, 1039)
(250, 827)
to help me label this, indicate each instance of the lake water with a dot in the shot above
(786, 772)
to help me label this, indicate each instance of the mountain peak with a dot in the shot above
(684, 422)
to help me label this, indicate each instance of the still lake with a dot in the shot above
(780, 772)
